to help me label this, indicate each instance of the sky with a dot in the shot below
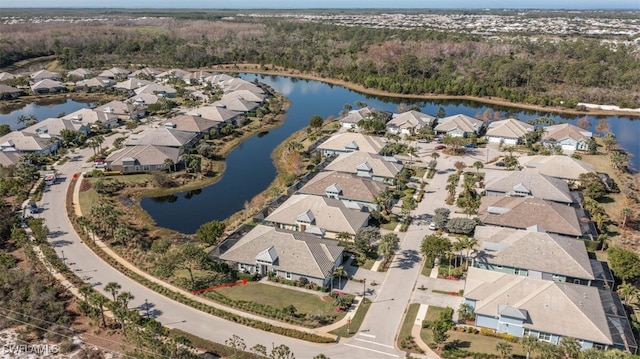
(327, 4)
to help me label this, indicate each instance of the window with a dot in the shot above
(146, 168)
(288, 275)
(242, 266)
(528, 332)
(545, 336)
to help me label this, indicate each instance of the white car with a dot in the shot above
(100, 165)
(432, 226)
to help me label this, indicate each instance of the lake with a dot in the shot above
(41, 111)
(250, 168)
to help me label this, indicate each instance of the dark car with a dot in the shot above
(33, 208)
(471, 145)
(440, 147)
(500, 164)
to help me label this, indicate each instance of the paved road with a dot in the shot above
(376, 339)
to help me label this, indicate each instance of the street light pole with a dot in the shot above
(63, 259)
(364, 287)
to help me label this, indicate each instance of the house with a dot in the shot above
(18, 141)
(350, 142)
(220, 79)
(143, 158)
(238, 84)
(47, 86)
(190, 123)
(147, 72)
(318, 215)
(458, 126)
(164, 137)
(158, 90)
(132, 84)
(245, 95)
(548, 310)
(54, 126)
(528, 213)
(529, 184)
(92, 117)
(115, 73)
(567, 136)
(4, 76)
(80, 73)
(409, 122)
(558, 166)
(94, 83)
(9, 158)
(292, 255)
(236, 104)
(509, 131)
(124, 110)
(143, 99)
(353, 191)
(196, 77)
(354, 116)
(539, 255)
(44, 75)
(217, 114)
(8, 92)
(378, 168)
(171, 74)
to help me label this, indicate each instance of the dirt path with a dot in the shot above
(279, 71)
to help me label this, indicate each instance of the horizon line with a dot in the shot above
(320, 8)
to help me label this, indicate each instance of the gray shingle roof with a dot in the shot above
(509, 128)
(461, 122)
(348, 162)
(540, 186)
(298, 252)
(352, 186)
(353, 141)
(533, 251)
(144, 155)
(160, 137)
(558, 166)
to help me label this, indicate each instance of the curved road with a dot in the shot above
(375, 340)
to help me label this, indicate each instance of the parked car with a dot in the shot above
(99, 164)
(33, 208)
(423, 140)
(432, 226)
(471, 145)
(440, 147)
(500, 164)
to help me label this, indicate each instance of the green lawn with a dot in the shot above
(349, 330)
(280, 297)
(87, 200)
(473, 342)
(433, 312)
(412, 312)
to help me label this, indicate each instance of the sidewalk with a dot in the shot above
(415, 332)
(323, 331)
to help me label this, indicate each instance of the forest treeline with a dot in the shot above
(541, 71)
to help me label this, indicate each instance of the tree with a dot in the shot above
(569, 347)
(504, 349)
(316, 122)
(510, 162)
(365, 237)
(609, 140)
(98, 301)
(440, 113)
(461, 225)
(465, 311)
(408, 204)
(4, 129)
(434, 246)
(441, 217)
(259, 350)
(169, 163)
(584, 123)
(629, 292)
(478, 165)
(210, 232)
(281, 352)
(344, 236)
(529, 343)
(190, 257)
(338, 272)
(548, 350)
(388, 245)
(624, 263)
(236, 344)
(113, 288)
(619, 160)
(460, 166)
(467, 243)
(435, 155)
(121, 233)
(440, 327)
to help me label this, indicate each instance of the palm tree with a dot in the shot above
(435, 155)
(467, 244)
(113, 288)
(569, 347)
(388, 244)
(124, 298)
(98, 300)
(338, 272)
(84, 223)
(478, 165)
(529, 343)
(626, 213)
(85, 289)
(628, 292)
(168, 162)
(505, 349)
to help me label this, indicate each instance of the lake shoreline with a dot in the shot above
(255, 69)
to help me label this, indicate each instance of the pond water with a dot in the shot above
(41, 111)
(250, 168)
